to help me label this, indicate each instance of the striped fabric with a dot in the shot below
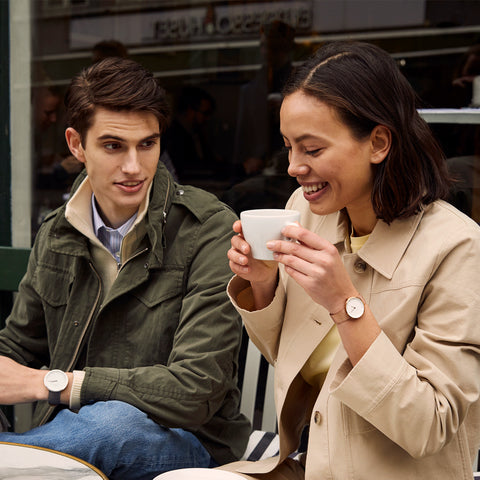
(4, 423)
(261, 445)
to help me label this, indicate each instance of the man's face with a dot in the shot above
(120, 153)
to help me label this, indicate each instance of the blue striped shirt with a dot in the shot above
(111, 238)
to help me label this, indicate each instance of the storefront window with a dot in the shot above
(223, 64)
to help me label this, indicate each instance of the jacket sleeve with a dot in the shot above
(420, 397)
(191, 387)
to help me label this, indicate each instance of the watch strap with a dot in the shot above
(54, 398)
(340, 317)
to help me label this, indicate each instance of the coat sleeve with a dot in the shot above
(419, 397)
(201, 370)
(263, 326)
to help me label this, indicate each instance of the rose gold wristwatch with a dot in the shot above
(354, 309)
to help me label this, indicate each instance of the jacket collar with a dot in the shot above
(385, 246)
(387, 243)
(64, 236)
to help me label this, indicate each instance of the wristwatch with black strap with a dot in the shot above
(56, 382)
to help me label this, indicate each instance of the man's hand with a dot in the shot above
(20, 384)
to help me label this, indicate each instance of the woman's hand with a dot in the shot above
(315, 264)
(262, 275)
(244, 265)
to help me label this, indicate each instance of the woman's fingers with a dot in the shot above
(237, 226)
(314, 263)
(303, 245)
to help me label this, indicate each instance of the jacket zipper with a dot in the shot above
(87, 324)
(121, 265)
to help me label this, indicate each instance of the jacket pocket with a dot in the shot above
(162, 286)
(50, 283)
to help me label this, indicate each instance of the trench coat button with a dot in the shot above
(317, 418)
(180, 192)
(360, 267)
(145, 266)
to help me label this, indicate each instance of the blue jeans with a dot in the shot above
(118, 439)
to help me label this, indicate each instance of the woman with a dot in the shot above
(371, 316)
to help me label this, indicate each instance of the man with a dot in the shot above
(124, 300)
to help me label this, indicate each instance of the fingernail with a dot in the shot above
(270, 245)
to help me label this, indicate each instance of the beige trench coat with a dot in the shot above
(410, 408)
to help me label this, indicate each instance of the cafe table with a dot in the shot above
(23, 462)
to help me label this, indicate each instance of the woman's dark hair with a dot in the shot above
(117, 84)
(363, 84)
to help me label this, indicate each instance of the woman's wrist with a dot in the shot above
(264, 292)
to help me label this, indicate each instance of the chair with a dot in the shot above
(257, 402)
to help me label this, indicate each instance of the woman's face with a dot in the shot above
(333, 168)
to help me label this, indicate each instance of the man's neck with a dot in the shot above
(100, 220)
(108, 222)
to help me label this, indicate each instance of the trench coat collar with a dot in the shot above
(386, 244)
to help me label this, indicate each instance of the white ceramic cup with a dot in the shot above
(262, 225)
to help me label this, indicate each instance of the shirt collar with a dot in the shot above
(99, 223)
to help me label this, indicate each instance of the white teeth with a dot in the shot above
(130, 184)
(313, 188)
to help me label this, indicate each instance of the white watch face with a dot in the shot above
(56, 380)
(355, 307)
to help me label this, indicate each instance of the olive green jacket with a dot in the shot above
(164, 338)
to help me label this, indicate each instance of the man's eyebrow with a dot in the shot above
(153, 136)
(108, 136)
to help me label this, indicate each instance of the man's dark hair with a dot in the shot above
(117, 84)
(365, 87)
